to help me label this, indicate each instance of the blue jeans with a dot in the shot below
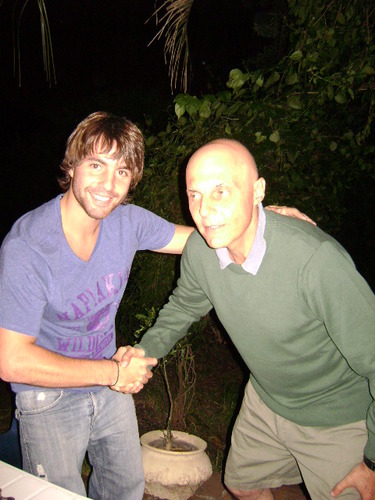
(57, 427)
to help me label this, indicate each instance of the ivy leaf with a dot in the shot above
(292, 79)
(294, 102)
(296, 56)
(292, 156)
(236, 79)
(333, 146)
(182, 121)
(341, 18)
(151, 140)
(331, 41)
(275, 137)
(275, 77)
(180, 99)
(313, 57)
(192, 105)
(205, 110)
(220, 110)
(179, 109)
(234, 109)
(260, 81)
(340, 98)
(330, 92)
(259, 137)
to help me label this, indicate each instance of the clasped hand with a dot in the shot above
(134, 369)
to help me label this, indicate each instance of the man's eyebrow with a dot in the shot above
(102, 161)
(220, 185)
(94, 158)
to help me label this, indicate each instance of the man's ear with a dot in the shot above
(259, 190)
(71, 172)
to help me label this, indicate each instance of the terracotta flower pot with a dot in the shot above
(175, 475)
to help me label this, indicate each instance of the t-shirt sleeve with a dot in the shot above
(153, 232)
(22, 297)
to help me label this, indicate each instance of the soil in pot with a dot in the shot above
(175, 445)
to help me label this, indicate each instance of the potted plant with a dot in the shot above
(175, 462)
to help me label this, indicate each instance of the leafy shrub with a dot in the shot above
(308, 121)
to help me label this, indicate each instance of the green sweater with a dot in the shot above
(304, 324)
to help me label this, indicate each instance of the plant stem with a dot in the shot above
(168, 435)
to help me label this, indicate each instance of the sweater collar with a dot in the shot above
(255, 257)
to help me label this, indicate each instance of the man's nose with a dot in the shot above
(108, 181)
(206, 207)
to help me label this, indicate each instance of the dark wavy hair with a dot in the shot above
(104, 130)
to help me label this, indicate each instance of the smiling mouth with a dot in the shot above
(100, 198)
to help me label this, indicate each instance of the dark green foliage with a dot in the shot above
(308, 121)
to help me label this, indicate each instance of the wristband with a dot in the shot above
(118, 370)
(370, 464)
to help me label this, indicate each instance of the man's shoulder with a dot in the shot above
(195, 240)
(299, 237)
(150, 231)
(35, 227)
(131, 213)
(197, 247)
(137, 217)
(291, 227)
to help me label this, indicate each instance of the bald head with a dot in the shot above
(224, 190)
(240, 160)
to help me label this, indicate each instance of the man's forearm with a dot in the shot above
(34, 365)
(37, 366)
(177, 244)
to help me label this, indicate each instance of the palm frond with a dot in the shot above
(174, 21)
(48, 59)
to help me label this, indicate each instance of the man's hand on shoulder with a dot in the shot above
(290, 212)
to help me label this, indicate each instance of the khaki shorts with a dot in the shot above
(268, 451)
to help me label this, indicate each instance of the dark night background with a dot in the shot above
(103, 63)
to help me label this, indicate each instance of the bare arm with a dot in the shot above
(22, 361)
(177, 243)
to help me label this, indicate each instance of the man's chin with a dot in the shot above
(213, 240)
(214, 244)
(100, 214)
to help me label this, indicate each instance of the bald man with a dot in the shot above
(301, 317)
